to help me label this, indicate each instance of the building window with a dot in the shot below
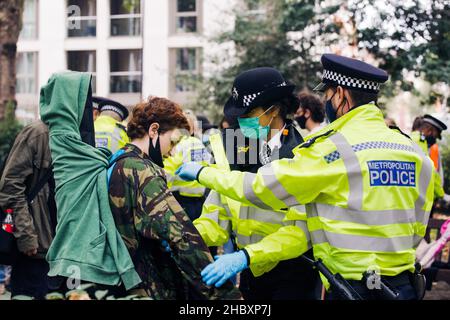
(82, 18)
(26, 72)
(125, 17)
(187, 67)
(187, 16)
(29, 20)
(126, 70)
(83, 61)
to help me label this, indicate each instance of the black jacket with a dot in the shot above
(294, 274)
(245, 153)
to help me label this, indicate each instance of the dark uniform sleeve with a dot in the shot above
(160, 217)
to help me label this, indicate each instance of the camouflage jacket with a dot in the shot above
(146, 215)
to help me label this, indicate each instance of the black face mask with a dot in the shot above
(430, 140)
(301, 121)
(154, 153)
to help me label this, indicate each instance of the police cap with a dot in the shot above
(438, 124)
(105, 104)
(351, 74)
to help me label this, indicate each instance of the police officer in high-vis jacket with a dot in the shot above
(189, 194)
(110, 133)
(270, 241)
(368, 190)
(426, 131)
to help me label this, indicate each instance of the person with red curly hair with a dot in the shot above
(166, 249)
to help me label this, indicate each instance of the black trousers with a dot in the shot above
(401, 283)
(29, 278)
(192, 205)
(290, 280)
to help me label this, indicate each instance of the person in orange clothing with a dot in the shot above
(432, 130)
(436, 157)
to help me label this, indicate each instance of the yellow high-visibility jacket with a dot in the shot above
(438, 188)
(368, 192)
(110, 133)
(268, 236)
(188, 149)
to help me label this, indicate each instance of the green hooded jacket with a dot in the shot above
(87, 245)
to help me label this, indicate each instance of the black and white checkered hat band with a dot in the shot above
(248, 99)
(347, 81)
(434, 124)
(113, 108)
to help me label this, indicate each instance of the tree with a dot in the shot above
(10, 26)
(291, 35)
(408, 36)
(263, 35)
(9, 128)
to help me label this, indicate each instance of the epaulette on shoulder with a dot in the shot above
(121, 126)
(311, 141)
(395, 128)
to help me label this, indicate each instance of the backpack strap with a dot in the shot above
(113, 160)
(38, 187)
(47, 178)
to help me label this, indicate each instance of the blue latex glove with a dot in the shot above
(225, 267)
(189, 171)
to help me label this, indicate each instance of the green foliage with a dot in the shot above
(9, 128)
(54, 296)
(291, 35)
(89, 291)
(412, 35)
(21, 297)
(445, 156)
(264, 39)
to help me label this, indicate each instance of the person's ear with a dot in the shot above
(340, 95)
(307, 113)
(153, 130)
(348, 100)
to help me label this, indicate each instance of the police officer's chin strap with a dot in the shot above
(154, 152)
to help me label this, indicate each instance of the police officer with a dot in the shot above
(190, 194)
(270, 242)
(426, 130)
(109, 131)
(368, 189)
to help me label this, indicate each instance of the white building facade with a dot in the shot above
(133, 48)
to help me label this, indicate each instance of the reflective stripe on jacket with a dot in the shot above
(110, 134)
(188, 149)
(368, 191)
(268, 236)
